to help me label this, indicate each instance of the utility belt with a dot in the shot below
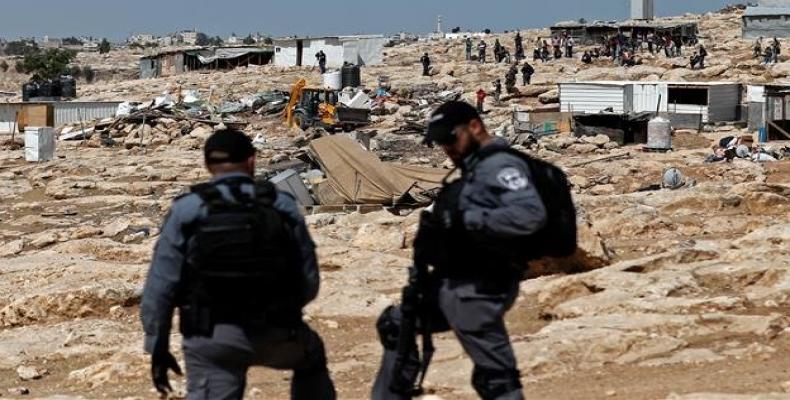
(198, 320)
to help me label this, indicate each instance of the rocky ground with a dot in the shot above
(690, 301)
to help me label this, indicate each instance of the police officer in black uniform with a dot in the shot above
(236, 259)
(320, 57)
(426, 64)
(476, 282)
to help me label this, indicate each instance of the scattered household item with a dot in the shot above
(673, 179)
(333, 80)
(290, 182)
(359, 177)
(39, 144)
(351, 76)
(659, 135)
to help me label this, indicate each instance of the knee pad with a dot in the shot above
(388, 329)
(492, 384)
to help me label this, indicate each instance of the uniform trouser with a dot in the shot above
(217, 367)
(477, 319)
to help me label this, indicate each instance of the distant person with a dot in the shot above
(650, 40)
(703, 53)
(519, 43)
(569, 43)
(426, 64)
(556, 43)
(481, 98)
(587, 58)
(321, 59)
(510, 78)
(768, 55)
(498, 51)
(469, 46)
(526, 73)
(497, 91)
(481, 51)
(777, 50)
(758, 47)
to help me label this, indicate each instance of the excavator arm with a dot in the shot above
(296, 96)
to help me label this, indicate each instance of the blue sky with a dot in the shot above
(116, 19)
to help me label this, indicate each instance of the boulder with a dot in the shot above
(550, 97)
(598, 140)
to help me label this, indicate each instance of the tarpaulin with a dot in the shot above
(359, 177)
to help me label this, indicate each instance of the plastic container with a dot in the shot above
(659, 134)
(762, 135)
(29, 90)
(333, 80)
(39, 144)
(352, 75)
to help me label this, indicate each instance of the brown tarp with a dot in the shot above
(359, 177)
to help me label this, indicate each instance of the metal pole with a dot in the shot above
(82, 126)
(16, 124)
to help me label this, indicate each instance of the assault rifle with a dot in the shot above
(417, 306)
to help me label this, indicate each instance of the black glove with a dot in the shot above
(161, 362)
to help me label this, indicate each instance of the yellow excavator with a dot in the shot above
(319, 107)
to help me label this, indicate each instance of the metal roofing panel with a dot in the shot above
(766, 11)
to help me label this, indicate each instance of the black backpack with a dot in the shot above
(240, 262)
(558, 237)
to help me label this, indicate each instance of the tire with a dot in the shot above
(300, 119)
(348, 128)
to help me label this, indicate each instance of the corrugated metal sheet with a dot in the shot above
(72, 112)
(690, 109)
(592, 98)
(645, 97)
(723, 102)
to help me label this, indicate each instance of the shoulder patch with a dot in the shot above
(512, 179)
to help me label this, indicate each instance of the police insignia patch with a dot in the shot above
(512, 179)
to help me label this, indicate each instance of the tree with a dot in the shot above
(75, 72)
(4, 66)
(104, 46)
(248, 40)
(202, 39)
(48, 64)
(215, 41)
(20, 47)
(88, 73)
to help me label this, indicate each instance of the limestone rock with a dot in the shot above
(598, 140)
(550, 97)
(28, 373)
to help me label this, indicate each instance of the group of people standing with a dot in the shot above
(561, 45)
(501, 53)
(770, 54)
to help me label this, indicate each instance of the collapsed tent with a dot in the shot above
(359, 177)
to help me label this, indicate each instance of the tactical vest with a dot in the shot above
(240, 266)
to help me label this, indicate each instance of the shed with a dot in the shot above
(174, 62)
(688, 104)
(776, 111)
(53, 114)
(359, 50)
(766, 22)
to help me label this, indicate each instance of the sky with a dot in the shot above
(117, 19)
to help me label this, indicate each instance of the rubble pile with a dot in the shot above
(685, 291)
